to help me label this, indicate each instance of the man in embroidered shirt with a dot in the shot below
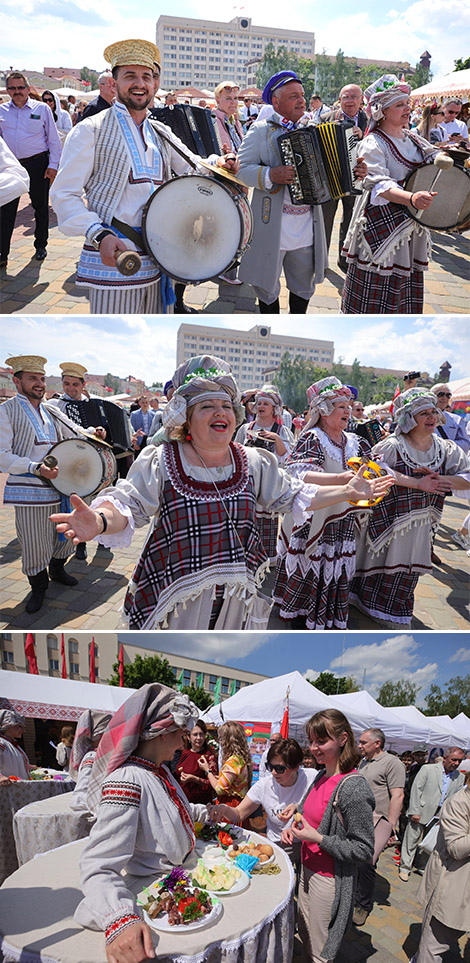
(117, 158)
(28, 128)
(28, 429)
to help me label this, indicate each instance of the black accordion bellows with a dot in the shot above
(107, 414)
(323, 158)
(195, 126)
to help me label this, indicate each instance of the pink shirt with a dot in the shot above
(314, 807)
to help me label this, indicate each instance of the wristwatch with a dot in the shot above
(96, 239)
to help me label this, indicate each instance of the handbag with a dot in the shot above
(428, 842)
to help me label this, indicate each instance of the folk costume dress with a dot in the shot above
(316, 560)
(266, 523)
(386, 250)
(395, 547)
(200, 567)
(13, 760)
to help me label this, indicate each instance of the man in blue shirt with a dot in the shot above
(28, 128)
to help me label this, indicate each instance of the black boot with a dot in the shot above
(297, 305)
(39, 585)
(58, 573)
(81, 552)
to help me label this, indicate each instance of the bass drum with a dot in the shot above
(195, 227)
(451, 207)
(84, 467)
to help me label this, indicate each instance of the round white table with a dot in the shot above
(37, 904)
(47, 824)
(14, 797)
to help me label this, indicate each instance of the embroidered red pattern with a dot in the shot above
(190, 488)
(116, 928)
(121, 794)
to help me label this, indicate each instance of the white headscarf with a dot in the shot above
(409, 404)
(383, 93)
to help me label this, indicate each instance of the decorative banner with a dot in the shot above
(30, 654)
(92, 660)
(257, 734)
(121, 666)
(62, 652)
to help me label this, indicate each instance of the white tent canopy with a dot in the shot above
(400, 734)
(46, 697)
(458, 83)
(434, 734)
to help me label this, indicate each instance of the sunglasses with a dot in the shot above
(48, 100)
(277, 769)
(444, 394)
(17, 88)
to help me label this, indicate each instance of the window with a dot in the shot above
(212, 682)
(74, 668)
(73, 646)
(8, 658)
(52, 642)
(187, 677)
(225, 685)
(53, 665)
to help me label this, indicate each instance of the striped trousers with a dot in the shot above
(38, 537)
(144, 300)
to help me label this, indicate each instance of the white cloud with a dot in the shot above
(311, 675)
(393, 658)
(461, 655)
(220, 648)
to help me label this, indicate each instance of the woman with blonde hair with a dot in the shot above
(433, 115)
(336, 832)
(234, 779)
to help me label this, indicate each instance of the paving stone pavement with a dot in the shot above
(48, 287)
(392, 931)
(442, 596)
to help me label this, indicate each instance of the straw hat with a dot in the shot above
(140, 52)
(27, 362)
(73, 368)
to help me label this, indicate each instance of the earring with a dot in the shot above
(188, 436)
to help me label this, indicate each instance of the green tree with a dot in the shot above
(421, 76)
(460, 64)
(400, 693)
(198, 696)
(293, 377)
(110, 381)
(331, 684)
(156, 385)
(151, 668)
(453, 699)
(284, 59)
(89, 75)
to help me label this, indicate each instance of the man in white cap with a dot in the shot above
(117, 159)
(73, 383)
(454, 427)
(28, 429)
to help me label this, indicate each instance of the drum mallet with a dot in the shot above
(128, 262)
(443, 162)
(50, 461)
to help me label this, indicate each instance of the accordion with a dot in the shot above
(195, 126)
(107, 414)
(323, 158)
(370, 430)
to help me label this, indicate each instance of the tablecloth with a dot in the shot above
(256, 926)
(12, 798)
(47, 824)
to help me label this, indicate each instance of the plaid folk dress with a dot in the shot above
(200, 567)
(267, 523)
(316, 561)
(395, 548)
(386, 250)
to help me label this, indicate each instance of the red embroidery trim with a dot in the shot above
(119, 925)
(205, 491)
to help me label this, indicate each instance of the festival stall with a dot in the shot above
(457, 83)
(400, 734)
(433, 733)
(46, 697)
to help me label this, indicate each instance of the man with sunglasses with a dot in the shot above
(454, 427)
(454, 130)
(28, 128)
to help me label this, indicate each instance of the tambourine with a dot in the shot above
(373, 470)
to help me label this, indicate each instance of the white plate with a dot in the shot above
(161, 922)
(256, 866)
(239, 886)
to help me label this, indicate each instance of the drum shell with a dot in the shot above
(85, 451)
(448, 209)
(209, 185)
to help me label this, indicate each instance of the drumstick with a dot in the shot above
(128, 262)
(443, 162)
(50, 461)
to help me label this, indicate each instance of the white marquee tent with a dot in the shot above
(458, 83)
(434, 734)
(400, 734)
(45, 697)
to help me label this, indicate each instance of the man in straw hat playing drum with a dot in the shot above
(28, 429)
(118, 158)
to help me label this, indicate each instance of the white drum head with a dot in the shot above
(80, 467)
(193, 228)
(451, 205)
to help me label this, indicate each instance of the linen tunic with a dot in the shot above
(78, 800)
(395, 547)
(193, 552)
(317, 559)
(13, 761)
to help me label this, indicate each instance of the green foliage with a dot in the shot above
(453, 699)
(332, 685)
(294, 375)
(197, 695)
(110, 381)
(91, 76)
(284, 59)
(421, 76)
(156, 385)
(400, 693)
(151, 668)
(460, 64)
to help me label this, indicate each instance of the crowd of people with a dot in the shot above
(224, 476)
(152, 771)
(115, 151)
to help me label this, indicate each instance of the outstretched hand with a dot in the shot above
(80, 525)
(361, 488)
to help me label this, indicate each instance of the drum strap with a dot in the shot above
(130, 232)
(182, 153)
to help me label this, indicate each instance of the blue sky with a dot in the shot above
(146, 347)
(422, 657)
(40, 33)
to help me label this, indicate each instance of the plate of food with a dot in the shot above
(176, 906)
(219, 877)
(210, 832)
(263, 851)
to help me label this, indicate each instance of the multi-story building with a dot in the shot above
(250, 353)
(204, 52)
